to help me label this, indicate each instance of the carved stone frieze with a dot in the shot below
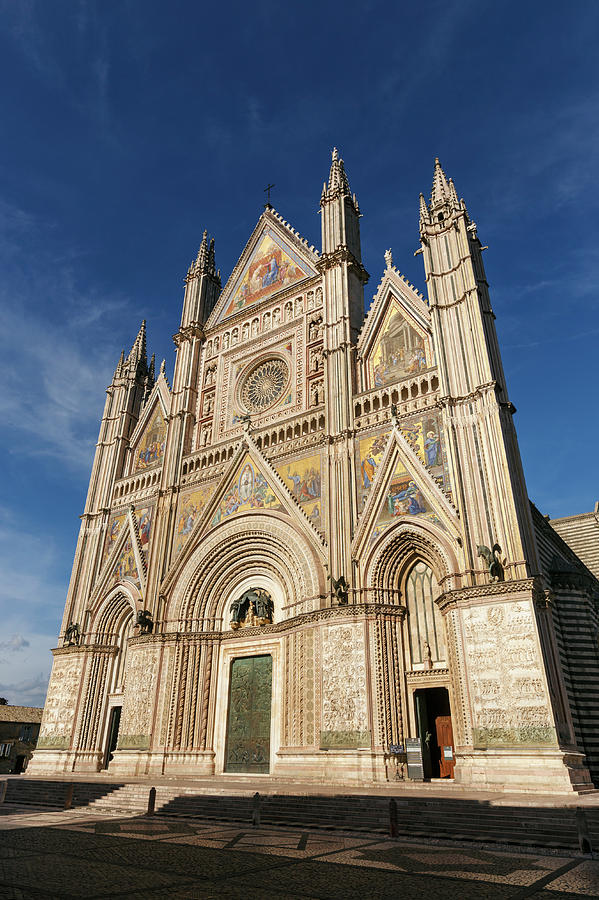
(142, 672)
(344, 702)
(510, 703)
(59, 711)
(502, 591)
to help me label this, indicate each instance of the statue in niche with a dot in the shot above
(263, 606)
(145, 621)
(427, 656)
(72, 635)
(255, 607)
(493, 560)
(340, 589)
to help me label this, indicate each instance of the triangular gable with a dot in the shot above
(250, 484)
(143, 521)
(395, 341)
(303, 479)
(414, 306)
(126, 562)
(371, 450)
(249, 489)
(403, 489)
(274, 258)
(190, 506)
(149, 435)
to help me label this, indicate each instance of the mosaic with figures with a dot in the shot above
(403, 499)
(150, 449)
(125, 567)
(250, 490)
(303, 478)
(143, 516)
(423, 433)
(399, 350)
(190, 507)
(273, 265)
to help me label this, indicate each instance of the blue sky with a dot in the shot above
(131, 126)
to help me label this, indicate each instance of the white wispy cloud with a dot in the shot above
(55, 373)
(14, 644)
(32, 594)
(29, 691)
(43, 48)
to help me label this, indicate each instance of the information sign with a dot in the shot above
(414, 755)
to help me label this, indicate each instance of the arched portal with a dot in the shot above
(411, 565)
(110, 627)
(237, 679)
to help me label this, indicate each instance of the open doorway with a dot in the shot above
(433, 721)
(113, 735)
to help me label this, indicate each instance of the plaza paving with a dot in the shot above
(73, 854)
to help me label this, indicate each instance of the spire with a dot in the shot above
(138, 350)
(150, 379)
(337, 177)
(424, 214)
(440, 193)
(204, 261)
(119, 366)
(202, 256)
(338, 182)
(453, 194)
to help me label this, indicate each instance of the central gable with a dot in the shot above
(272, 265)
(249, 490)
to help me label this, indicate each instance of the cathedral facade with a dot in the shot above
(314, 551)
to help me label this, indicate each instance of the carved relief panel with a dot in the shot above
(507, 686)
(140, 688)
(344, 689)
(59, 711)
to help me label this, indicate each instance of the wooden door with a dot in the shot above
(248, 732)
(444, 734)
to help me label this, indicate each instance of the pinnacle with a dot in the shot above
(119, 365)
(441, 191)
(204, 262)
(138, 350)
(338, 180)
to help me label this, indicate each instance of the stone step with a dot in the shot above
(416, 816)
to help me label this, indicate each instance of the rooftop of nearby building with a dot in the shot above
(20, 713)
(581, 533)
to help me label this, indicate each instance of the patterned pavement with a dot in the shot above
(70, 854)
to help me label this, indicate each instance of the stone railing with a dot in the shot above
(409, 396)
(138, 482)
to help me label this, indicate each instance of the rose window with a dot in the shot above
(265, 385)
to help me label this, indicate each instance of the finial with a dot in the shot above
(389, 258)
(335, 154)
(163, 368)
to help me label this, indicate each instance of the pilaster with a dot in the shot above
(343, 277)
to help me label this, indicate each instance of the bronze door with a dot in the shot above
(248, 727)
(446, 749)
